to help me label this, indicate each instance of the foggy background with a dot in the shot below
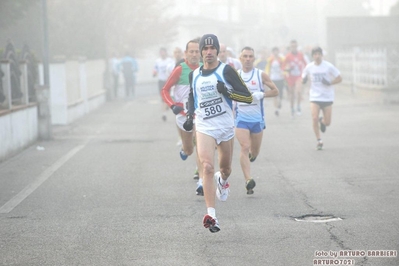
(111, 188)
(97, 28)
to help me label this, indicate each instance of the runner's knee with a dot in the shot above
(207, 168)
(245, 147)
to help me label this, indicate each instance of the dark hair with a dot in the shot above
(294, 41)
(196, 40)
(275, 49)
(248, 49)
(317, 50)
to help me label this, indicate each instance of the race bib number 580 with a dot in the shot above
(212, 108)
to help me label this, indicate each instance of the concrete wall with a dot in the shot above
(18, 130)
(76, 89)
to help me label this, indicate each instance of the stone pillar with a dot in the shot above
(44, 115)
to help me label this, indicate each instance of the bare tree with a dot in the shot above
(13, 10)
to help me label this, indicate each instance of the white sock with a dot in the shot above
(199, 181)
(212, 211)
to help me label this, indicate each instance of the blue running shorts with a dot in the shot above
(253, 127)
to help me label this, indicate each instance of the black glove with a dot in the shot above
(188, 125)
(304, 80)
(325, 82)
(222, 88)
(176, 109)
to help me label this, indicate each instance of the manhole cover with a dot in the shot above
(316, 218)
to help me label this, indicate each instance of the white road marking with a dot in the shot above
(17, 199)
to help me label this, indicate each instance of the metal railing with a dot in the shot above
(373, 68)
(18, 78)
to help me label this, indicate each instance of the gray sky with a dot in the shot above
(381, 7)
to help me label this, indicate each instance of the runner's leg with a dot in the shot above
(256, 142)
(291, 92)
(206, 154)
(187, 141)
(243, 137)
(298, 91)
(327, 112)
(225, 154)
(315, 110)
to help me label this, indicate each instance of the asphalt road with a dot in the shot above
(111, 189)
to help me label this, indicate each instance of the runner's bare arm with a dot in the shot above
(270, 84)
(170, 82)
(338, 79)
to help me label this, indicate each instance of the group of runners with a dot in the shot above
(217, 97)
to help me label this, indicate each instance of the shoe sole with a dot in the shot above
(250, 185)
(210, 223)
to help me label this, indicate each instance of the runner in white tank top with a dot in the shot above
(213, 88)
(252, 112)
(250, 121)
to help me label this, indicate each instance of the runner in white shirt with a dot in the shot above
(250, 121)
(161, 71)
(322, 75)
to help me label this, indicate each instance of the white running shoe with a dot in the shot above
(222, 191)
(211, 223)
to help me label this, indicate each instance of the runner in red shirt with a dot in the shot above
(180, 81)
(293, 65)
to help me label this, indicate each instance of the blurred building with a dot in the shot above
(256, 23)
